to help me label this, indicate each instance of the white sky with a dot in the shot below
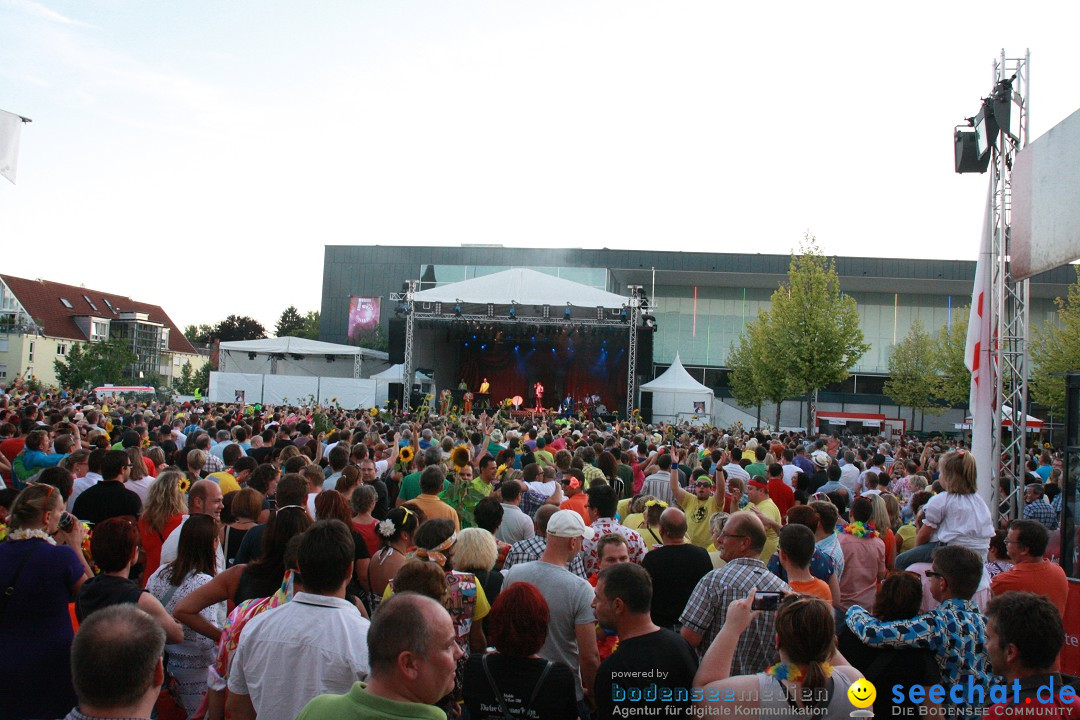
(200, 154)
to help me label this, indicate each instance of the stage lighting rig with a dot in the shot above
(649, 322)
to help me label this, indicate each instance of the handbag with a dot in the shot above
(498, 694)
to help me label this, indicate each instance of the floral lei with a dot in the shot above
(861, 530)
(794, 673)
(26, 534)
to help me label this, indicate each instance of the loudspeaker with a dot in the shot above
(396, 338)
(394, 391)
(416, 398)
(967, 152)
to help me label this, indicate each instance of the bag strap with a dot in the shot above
(540, 683)
(495, 689)
(10, 589)
(173, 588)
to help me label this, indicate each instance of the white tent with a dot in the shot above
(677, 396)
(298, 356)
(393, 374)
(521, 286)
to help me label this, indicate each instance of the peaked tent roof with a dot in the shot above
(394, 374)
(675, 379)
(523, 286)
(299, 346)
(43, 300)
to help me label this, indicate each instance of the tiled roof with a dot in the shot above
(43, 300)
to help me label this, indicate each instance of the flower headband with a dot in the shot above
(436, 554)
(654, 503)
(386, 527)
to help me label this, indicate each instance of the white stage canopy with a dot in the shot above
(521, 286)
(675, 393)
(293, 356)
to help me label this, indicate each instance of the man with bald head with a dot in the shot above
(204, 498)
(675, 569)
(741, 543)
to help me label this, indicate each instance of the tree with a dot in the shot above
(185, 384)
(372, 339)
(96, 364)
(290, 323)
(239, 327)
(745, 384)
(310, 330)
(202, 379)
(815, 323)
(913, 375)
(759, 368)
(199, 334)
(1055, 348)
(954, 377)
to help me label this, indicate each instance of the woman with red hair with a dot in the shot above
(519, 624)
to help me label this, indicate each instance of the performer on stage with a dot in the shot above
(485, 388)
(468, 398)
(538, 388)
(568, 406)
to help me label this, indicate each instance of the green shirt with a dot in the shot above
(358, 704)
(410, 487)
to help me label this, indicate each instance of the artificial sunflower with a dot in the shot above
(183, 485)
(459, 457)
(407, 454)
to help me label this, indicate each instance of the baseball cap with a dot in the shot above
(568, 524)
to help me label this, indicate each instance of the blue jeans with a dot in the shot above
(918, 554)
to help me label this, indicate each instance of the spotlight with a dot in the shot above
(968, 159)
(599, 312)
(251, 356)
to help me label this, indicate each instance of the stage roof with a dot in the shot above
(521, 286)
(299, 346)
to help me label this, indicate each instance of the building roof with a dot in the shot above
(44, 300)
(299, 346)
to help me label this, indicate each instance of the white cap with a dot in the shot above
(568, 524)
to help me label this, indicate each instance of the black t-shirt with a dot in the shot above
(102, 591)
(106, 499)
(516, 678)
(251, 546)
(260, 454)
(382, 502)
(637, 664)
(886, 667)
(675, 571)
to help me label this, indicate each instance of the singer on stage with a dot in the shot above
(538, 388)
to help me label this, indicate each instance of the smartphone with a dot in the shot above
(766, 600)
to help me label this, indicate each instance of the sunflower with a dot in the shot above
(459, 457)
(374, 412)
(407, 454)
(183, 485)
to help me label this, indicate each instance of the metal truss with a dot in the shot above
(1009, 307)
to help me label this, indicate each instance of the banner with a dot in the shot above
(10, 128)
(979, 356)
(364, 314)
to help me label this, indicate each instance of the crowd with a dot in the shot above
(207, 560)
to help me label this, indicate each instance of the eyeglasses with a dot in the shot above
(725, 536)
(932, 573)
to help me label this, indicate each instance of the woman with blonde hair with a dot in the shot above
(811, 679)
(476, 552)
(139, 480)
(958, 516)
(163, 510)
(157, 456)
(879, 516)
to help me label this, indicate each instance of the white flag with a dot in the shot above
(10, 127)
(979, 356)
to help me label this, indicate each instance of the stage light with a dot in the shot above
(599, 312)
(484, 346)
(251, 356)
(1007, 108)
(329, 358)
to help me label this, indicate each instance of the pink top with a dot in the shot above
(864, 563)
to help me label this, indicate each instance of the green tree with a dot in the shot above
(1055, 348)
(185, 384)
(310, 329)
(199, 334)
(239, 327)
(954, 376)
(913, 374)
(816, 322)
(96, 364)
(745, 384)
(290, 324)
(202, 379)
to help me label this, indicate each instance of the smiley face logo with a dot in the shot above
(862, 693)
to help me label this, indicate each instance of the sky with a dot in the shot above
(199, 155)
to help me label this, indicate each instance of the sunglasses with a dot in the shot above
(932, 573)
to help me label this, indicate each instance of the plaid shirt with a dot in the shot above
(524, 551)
(608, 526)
(830, 545)
(213, 464)
(707, 609)
(1043, 512)
(955, 630)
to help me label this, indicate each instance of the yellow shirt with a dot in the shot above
(906, 535)
(772, 538)
(433, 507)
(698, 512)
(634, 521)
(226, 481)
(623, 509)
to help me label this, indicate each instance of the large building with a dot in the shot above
(702, 302)
(40, 321)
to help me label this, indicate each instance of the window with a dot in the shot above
(67, 304)
(61, 348)
(109, 304)
(89, 301)
(99, 331)
(31, 356)
(165, 338)
(3, 343)
(3, 371)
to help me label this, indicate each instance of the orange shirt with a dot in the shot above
(816, 587)
(577, 504)
(433, 508)
(1042, 578)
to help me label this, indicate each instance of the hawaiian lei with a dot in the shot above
(861, 530)
(794, 673)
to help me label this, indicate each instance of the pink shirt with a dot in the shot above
(864, 563)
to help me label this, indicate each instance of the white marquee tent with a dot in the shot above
(521, 286)
(677, 396)
(394, 374)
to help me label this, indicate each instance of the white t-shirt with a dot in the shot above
(960, 520)
(790, 471)
(172, 543)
